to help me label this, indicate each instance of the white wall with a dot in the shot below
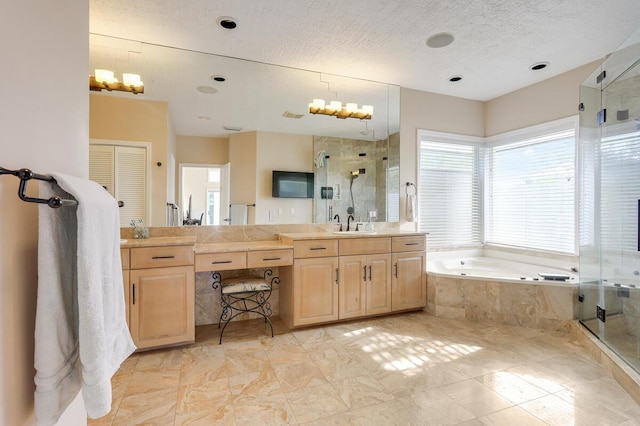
(430, 111)
(43, 126)
(548, 100)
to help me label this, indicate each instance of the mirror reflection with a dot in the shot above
(206, 111)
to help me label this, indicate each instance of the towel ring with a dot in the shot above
(409, 189)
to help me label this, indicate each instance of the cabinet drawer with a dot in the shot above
(315, 248)
(415, 243)
(160, 257)
(221, 261)
(267, 258)
(371, 245)
(124, 255)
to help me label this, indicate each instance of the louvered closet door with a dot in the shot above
(122, 170)
(101, 166)
(130, 182)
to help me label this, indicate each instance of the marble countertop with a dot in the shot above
(202, 248)
(158, 241)
(330, 235)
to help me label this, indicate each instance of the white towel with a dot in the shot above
(238, 214)
(81, 335)
(411, 208)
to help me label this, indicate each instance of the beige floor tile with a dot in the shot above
(210, 401)
(396, 370)
(557, 412)
(260, 410)
(260, 383)
(150, 408)
(240, 362)
(511, 417)
(361, 391)
(142, 382)
(315, 403)
(287, 355)
(299, 376)
(340, 368)
(475, 397)
(511, 387)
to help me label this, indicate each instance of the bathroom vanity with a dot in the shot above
(324, 277)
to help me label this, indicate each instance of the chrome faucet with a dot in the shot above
(349, 219)
(337, 216)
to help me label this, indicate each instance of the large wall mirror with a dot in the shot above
(253, 118)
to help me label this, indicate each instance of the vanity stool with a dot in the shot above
(245, 294)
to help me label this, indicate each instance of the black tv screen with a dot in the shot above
(292, 184)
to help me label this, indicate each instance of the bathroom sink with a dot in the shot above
(355, 232)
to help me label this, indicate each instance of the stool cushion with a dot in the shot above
(245, 285)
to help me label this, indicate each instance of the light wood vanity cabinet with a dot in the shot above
(162, 296)
(315, 290)
(343, 278)
(124, 255)
(365, 279)
(409, 281)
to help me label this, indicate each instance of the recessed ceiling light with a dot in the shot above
(455, 78)
(538, 66)
(219, 78)
(207, 89)
(439, 40)
(227, 22)
(233, 128)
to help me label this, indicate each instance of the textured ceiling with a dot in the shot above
(496, 42)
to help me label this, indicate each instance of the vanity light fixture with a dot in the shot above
(105, 80)
(336, 109)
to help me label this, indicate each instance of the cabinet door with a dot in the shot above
(378, 284)
(162, 306)
(315, 290)
(409, 284)
(353, 270)
(127, 301)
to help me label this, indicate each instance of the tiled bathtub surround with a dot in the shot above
(550, 306)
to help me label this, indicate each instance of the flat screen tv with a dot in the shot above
(292, 184)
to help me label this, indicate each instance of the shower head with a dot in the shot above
(355, 174)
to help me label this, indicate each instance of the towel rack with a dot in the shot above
(25, 175)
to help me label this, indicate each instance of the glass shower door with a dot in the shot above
(610, 202)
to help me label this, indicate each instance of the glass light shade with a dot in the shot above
(351, 107)
(104, 76)
(318, 103)
(335, 105)
(131, 80)
(367, 109)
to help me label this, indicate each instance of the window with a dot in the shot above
(531, 189)
(449, 184)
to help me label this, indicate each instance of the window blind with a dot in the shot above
(620, 192)
(449, 193)
(532, 193)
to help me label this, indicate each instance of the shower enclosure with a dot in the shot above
(609, 301)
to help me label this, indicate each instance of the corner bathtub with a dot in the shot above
(498, 269)
(494, 290)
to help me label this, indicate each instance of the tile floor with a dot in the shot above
(406, 369)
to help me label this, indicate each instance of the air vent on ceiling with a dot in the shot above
(289, 114)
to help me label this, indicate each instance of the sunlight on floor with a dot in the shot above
(396, 352)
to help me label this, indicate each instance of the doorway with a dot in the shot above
(204, 194)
